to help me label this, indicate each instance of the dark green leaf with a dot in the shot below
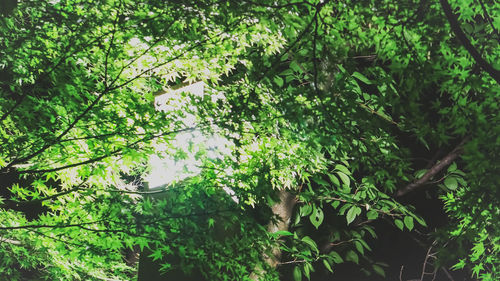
(362, 78)
(379, 270)
(297, 274)
(451, 183)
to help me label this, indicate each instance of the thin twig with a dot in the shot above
(108, 51)
(447, 274)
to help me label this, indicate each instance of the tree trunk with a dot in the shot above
(283, 211)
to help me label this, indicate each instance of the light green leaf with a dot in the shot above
(342, 169)
(283, 233)
(327, 265)
(399, 223)
(310, 242)
(334, 179)
(352, 213)
(156, 255)
(279, 81)
(335, 204)
(344, 208)
(344, 178)
(420, 220)
(372, 214)
(316, 217)
(408, 222)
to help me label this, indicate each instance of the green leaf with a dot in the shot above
(156, 255)
(336, 257)
(408, 222)
(295, 66)
(420, 220)
(352, 213)
(359, 247)
(327, 265)
(316, 217)
(352, 256)
(372, 214)
(335, 204)
(305, 210)
(362, 78)
(420, 173)
(279, 81)
(307, 270)
(297, 274)
(344, 178)
(452, 167)
(451, 183)
(3, 163)
(399, 223)
(334, 179)
(379, 270)
(283, 233)
(342, 169)
(321, 181)
(310, 242)
(344, 208)
(365, 245)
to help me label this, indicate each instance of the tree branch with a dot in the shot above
(455, 26)
(59, 137)
(279, 6)
(438, 167)
(31, 226)
(490, 21)
(117, 151)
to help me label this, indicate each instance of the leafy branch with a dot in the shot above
(455, 26)
(109, 154)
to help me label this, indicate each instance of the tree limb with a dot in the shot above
(435, 169)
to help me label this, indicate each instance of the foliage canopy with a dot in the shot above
(350, 106)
